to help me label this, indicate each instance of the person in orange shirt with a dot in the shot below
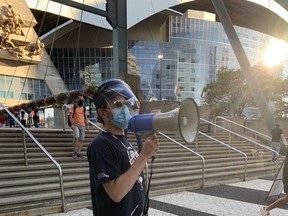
(79, 123)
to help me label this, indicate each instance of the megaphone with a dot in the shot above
(183, 121)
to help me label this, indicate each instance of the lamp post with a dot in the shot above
(160, 57)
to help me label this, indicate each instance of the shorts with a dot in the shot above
(79, 132)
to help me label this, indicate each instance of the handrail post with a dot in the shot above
(203, 173)
(245, 169)
(227, 145)
(188, 149)
(24, 148)
(64, 117)
(62, 190)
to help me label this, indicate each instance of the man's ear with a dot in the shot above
(103, 113)
(100, 112)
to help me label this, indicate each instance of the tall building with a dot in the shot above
(197, 47)
(187, 34)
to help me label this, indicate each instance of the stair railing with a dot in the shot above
(230, 147)
(146, 165)
(65, 107)
(243, 137)
(256, 133)
(193, 152)
(24, 130)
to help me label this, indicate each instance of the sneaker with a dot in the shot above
(79, 155)
(264, 212)
(74, 154)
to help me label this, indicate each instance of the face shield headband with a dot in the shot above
(110, 89)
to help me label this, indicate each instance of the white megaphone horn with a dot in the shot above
(183, 121)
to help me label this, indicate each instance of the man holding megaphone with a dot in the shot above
(116, 178)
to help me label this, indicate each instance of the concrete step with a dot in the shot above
(36, 187)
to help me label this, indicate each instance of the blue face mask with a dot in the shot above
(121, 117)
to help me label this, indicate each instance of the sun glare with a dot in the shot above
(275, 53)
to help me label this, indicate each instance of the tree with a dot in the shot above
(230, 93)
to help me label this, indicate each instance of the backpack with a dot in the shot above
(69, 123)
(84, 110)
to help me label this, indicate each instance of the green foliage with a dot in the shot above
(89, 91)
(50, 101)
(73, 95)
(230, 93)
(40, 102)
(61, 98)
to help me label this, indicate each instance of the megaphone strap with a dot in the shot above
(115, 137)
(146, 203)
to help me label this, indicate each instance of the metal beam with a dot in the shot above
(244, 63)
(119, 25)
(120, 38)
(83, 7)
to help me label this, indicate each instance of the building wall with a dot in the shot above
(196, 49)
(25, 78)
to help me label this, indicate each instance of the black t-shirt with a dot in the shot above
(276, 134)
(110, 156)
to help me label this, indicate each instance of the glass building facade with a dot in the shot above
(13, 87)
(84, 66)
(196, 49)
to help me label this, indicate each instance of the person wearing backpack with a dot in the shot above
(36, 119)
(79, 123)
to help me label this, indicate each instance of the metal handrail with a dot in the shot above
(231, 147)
(244, 127)
(190, 150)
(243, 137)
(146, 165)
(43, 149)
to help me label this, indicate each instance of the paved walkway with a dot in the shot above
(237, 199)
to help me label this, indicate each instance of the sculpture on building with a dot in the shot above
(12, 38)
(34, 48)
(11, 22)
(6, 42)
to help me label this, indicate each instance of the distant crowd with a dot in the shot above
(27, 119)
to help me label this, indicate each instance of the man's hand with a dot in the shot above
(150, 146)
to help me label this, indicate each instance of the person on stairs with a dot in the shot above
(276, 139)
(79, 123)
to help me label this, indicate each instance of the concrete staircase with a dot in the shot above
(35, 189)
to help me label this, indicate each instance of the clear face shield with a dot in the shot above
(110, 91)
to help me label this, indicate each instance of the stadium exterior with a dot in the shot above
(190, 39)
